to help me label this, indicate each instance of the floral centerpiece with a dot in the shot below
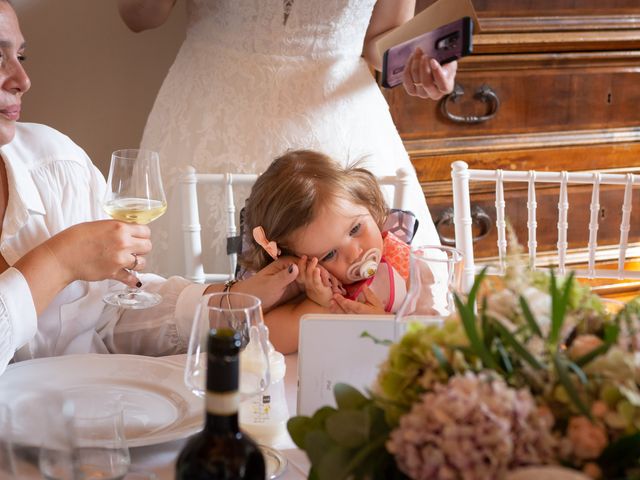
(537, 372)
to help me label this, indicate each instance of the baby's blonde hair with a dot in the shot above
(288, 195)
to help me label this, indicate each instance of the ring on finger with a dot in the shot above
(135, 261)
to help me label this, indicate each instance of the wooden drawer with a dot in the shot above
(527, 94)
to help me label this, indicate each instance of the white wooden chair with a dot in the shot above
(462, 175)
(191, 228)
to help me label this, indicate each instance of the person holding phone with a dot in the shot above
(255, 78)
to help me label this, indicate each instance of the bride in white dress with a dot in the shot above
(255, 78)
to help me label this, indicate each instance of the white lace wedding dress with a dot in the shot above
(247, 85)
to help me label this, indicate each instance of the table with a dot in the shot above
(161, 458)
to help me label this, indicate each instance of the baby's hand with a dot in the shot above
(372, 304)
(319, 284)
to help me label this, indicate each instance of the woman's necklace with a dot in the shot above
(288, 5)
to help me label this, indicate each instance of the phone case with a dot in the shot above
(445, 44)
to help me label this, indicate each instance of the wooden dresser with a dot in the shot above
(552, 85)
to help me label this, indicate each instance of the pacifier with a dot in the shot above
(366, 267)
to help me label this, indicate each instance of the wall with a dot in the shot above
(92, 78)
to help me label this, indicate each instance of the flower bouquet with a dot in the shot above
(537, 372)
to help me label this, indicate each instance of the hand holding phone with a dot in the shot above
(445, 44)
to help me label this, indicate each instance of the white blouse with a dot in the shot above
(53, 185)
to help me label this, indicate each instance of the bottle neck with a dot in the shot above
(221, 413)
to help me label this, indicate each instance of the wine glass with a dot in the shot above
(435, 273)
(134, 195)
(239, 312)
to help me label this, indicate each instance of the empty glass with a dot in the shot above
(85, 443)
(239, 312)
(435, 274)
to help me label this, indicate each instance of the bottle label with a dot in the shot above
(222, 403)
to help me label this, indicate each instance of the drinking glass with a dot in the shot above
(435, 273)
(241, 313)
(86, 443)
(135, 195)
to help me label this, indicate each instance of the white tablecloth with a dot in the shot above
(161, 458)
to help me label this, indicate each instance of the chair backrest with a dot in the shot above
(191, 228)
(462, 175)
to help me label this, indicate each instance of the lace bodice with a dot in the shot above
(314, 27)
(246, 87)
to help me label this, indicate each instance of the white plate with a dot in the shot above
(157, 405)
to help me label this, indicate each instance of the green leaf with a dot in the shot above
(518, 348)
(317, 443)
(471, 299)
(442, 360)
(349, 428)
(528, 316)
(298, 428)
(504, 355)
(334, 464)
(375, 339)
(559, 304)
(348, 398)
(567, 383)
(320, 416)
(468, 317)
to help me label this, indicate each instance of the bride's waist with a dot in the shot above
(272, 50)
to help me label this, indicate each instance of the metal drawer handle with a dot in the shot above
(479, 217)
(484, 94)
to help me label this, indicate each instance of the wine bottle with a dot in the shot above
(221, 450)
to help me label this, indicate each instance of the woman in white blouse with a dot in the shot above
(57, 259)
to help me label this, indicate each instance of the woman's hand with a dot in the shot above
(372, 305)
(274, 284)
(87, 251)
(424, 77)
(101, 250)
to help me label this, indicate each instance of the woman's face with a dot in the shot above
(13, 79)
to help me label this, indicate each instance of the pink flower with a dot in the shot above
(588, 439)
(584, 344)
(472, 428)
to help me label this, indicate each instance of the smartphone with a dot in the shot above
(446, 44)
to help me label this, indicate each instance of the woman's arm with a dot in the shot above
(141, 15)
(387, 14)
(284, 323)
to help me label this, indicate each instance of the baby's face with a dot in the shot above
(339, 236)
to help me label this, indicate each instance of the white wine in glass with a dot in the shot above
(134, 195)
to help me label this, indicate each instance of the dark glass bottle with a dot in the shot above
(221, 450)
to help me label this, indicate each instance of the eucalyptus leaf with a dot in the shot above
(320, 416)
(348, 398)
(317, 443)
(298, 428)
(334, 464)
(349, 428)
